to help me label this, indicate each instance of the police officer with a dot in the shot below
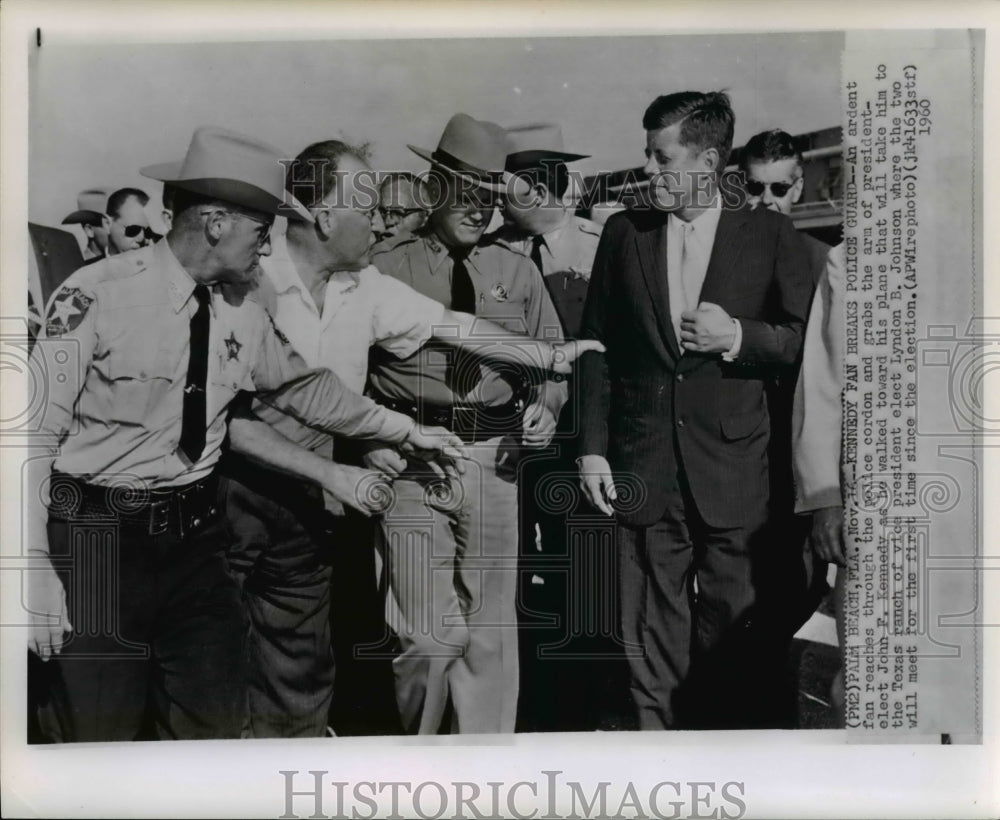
(451, 549)
(560, 689)
(145, 352)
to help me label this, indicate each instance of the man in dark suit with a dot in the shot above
(695, 299)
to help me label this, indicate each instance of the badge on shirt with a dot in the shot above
(67, 312)
(499, 292)
(233, 347)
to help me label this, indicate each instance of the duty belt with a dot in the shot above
(178, 510)
(471, 423)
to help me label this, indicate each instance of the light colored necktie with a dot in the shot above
(689, 284)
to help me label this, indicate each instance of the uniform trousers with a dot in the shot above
(280, 557)
(687, 594)
(450, 555)
(159, 634)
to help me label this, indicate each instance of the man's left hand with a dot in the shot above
(440, 448)
(538, 425)
(708, 329)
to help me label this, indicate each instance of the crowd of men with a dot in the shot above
(357, 440)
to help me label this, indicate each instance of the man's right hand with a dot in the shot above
(828, 535)
(440, 448)
(597, 483)
(386, 460)
(47, 607)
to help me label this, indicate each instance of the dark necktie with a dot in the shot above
(194, 420)
(536, 251)
(463, 294)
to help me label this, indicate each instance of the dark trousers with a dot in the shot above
(573, 671)
(686, 595)
(280, 557)
(159, 634)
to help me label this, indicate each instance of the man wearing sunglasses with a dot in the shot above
(794, 584)
(129, 227)
(402, 204)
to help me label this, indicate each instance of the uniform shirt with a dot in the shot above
(567, 254)
(117, 361)
(360, 309)
(509, 291)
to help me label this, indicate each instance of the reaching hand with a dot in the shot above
(385, 460)
(565, 353)
(828, 535)
(538, 425)
(597, 483)
(708, 329)
(440, 448)
(47, 605)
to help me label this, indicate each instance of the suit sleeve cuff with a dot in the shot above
(731, 354)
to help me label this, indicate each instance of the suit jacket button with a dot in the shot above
(680, 377)
(680, 422)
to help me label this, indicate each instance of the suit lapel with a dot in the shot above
(730, 238)
(651, 245)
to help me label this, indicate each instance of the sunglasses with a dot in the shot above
(778, 189)
(132, 231)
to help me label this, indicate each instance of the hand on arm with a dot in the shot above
(707, 329)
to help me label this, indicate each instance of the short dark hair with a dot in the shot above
(312, 175)
(123, 195)
(706, 119)
(394, 181)
(552, 173)
(770, 146)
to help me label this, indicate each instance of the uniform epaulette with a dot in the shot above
(588, 226)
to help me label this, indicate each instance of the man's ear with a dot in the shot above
(797, 189)
(215, 224)
(710, 157)
(325, 220)
(88, 230)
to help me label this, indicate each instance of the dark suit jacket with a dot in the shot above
(642, 393)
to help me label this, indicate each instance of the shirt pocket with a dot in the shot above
(140, 383)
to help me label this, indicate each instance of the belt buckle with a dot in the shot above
(159, 517)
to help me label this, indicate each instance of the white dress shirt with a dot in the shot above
(360, 309)
(689, 250)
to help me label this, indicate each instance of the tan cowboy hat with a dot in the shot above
(472, 149)
(92, 205)
(235, 168)
(529, 145)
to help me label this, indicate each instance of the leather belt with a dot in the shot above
(178, 510)
(470, 423)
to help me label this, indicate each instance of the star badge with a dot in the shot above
(66, 312)
(233, 347)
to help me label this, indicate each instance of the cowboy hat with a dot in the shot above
(92, 205)
(235, 168)
(529, 145)
(471, 149)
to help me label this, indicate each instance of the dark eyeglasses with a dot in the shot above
(132, 231)
(778, 189)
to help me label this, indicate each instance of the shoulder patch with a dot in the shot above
(66, 312)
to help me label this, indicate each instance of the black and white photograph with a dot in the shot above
(468, 422)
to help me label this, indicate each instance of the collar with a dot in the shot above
(178, 281)
(706, 222)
